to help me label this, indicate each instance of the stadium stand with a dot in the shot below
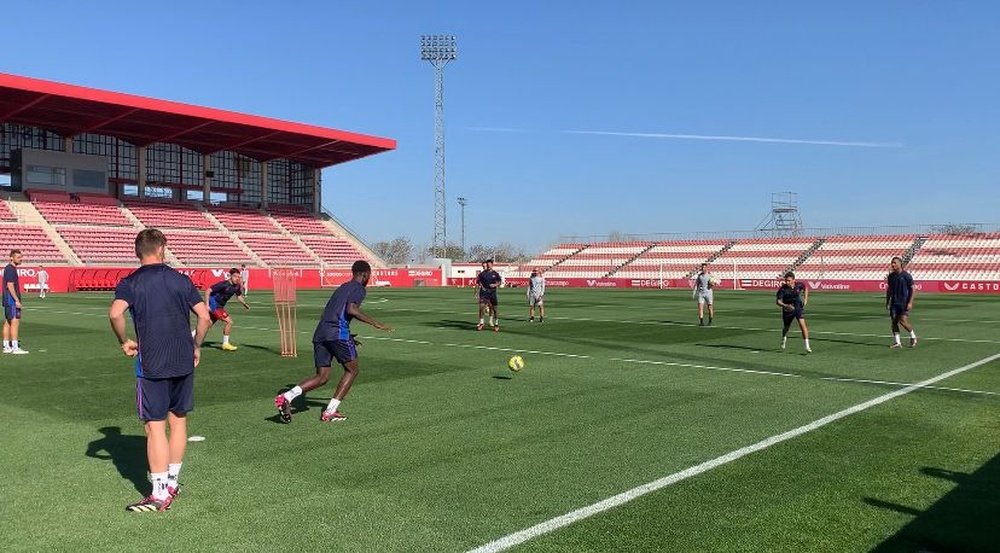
(57, 211)
(243, 220)
(671, 259)
(200, 248)
(598, 260)
(32, 241)
(169, 215)
(278, 250)
(6, 214)
(548, 259)
(969, 257)
(760, 258)
(101, 246)
(334, 252)
(854, 257)
(299, 222)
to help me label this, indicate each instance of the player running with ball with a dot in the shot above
(792, 298)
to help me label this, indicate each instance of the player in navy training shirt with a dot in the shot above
(792, 298)
(487, 283)
(160, 300)
(218, 295)
(333, 340)
(899, 301)
(12, 305)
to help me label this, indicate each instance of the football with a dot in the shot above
(713, 280)
(516, 363)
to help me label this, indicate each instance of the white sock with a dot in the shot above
(480, 320)
(14, 344)
(193, 332)
(895, 336)
(293, 393)
(225, 339)
(159, 485)
(913, 334)
(807, 343)
(332, 406)
(173, 473)
(6, 344)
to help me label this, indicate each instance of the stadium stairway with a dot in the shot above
(246, 249)
(712, 258)
(806, 254)
(918, 243)
(633, 258)
(27, 214)
(557, 263)
(297, 240)
(341, 231)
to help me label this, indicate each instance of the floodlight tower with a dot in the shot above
(439, 50)
(463, 202)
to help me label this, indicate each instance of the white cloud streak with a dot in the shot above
(709, 137)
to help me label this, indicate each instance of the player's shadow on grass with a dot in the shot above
(850, 342)
(462, 325)
(729, 346)
(962, 520)
(126, 452)
(268, 349)
(503, 377)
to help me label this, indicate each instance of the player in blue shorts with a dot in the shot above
(899, 301)
(333, 340)
(488, 282)
(218, 295)
(792, 298)
(160, 300)
(12, 305)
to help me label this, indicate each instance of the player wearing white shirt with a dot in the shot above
(536, 293)
(43, 282)
(703, 292)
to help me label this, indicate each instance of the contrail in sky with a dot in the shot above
(724, 138)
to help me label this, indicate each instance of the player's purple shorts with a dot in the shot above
(489, 298)
(344, 351)
(10, 310)
(154, 398)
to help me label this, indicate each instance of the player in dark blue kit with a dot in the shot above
(792, 298)
(160, 300)
(218, 295)
(12, 305)
(488, 281)
(333, 340)
(899, 301)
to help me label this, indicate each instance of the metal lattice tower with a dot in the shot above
(784, 218)
(463, 202)
(439, 50)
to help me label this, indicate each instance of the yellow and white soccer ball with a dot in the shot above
(713, 280)
(516, 363)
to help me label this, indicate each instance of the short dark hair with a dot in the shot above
(234, 271)
(360, 266)
(895, 257)
(148, 241)
(14, 252)
(789, 274)
(485, 261)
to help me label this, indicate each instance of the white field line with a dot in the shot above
(510, 540)
(707, 367)
(890, 383)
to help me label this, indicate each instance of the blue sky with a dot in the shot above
(919, 79)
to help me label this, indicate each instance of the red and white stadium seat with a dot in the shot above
(33, 242)
(278, 250)
(163, 215)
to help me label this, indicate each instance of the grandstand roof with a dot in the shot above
(70, 110)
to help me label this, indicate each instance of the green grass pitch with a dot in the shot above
(447, 450)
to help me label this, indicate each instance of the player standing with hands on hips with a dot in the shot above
(899, 301)
(160, 300)
(703, 285)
